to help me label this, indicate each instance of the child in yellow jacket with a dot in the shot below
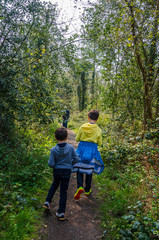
(89, 137)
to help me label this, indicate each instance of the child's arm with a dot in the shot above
(51, 161)
(75, 157)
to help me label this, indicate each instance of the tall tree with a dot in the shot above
(127, 37)
(144, 17)
(29, 62)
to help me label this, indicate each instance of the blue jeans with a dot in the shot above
(88, 181)
(62, 178)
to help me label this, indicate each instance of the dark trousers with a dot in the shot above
(62, 178)
(65, 124)
(88, 181)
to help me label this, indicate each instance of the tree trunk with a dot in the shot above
(157, 104)
(144, 62)
(83, 82)
(93, 80)
(79, 97)
(147, 104)
(92, 88)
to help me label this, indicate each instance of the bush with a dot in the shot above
(24, 170)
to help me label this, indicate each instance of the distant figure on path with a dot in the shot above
(62, 157)
(89, 137)
(66, 118)
(67, 113)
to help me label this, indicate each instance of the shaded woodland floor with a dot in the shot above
(82, 219)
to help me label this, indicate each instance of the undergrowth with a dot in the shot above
(128, 187)
(24, 182)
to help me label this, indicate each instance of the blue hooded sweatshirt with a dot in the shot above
(63, 157)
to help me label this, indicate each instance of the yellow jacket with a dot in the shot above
(89, 133)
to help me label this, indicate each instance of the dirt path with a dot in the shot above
(82, 221)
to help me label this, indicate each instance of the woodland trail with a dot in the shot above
(82, 221)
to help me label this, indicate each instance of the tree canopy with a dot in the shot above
(111, 65)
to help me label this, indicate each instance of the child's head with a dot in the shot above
(61, 134)
(93, 115)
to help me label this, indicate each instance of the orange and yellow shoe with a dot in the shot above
(88, 193)
(78, 193)
(61, 216)
(46, 205)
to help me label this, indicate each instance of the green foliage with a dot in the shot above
(115, 69)
(23, 177)
(127, 56)
(29, 65)
(19, 226)
(139, 226)
(77, 119)
(81, 71)
(124, 216)
(128, 186)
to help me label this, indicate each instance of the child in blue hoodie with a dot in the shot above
(62, 157)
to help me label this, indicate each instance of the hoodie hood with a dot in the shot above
(89, 129)
(89, 133)
(62, 150)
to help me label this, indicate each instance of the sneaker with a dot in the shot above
(46, 205)
(61, 216)
(88, 193)
(78, 193)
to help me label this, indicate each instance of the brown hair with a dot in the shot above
(61, 134)
(93, 114)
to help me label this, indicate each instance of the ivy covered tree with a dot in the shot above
(29, 63)
(126, 33)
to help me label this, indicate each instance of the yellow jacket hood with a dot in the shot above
(89, 133)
